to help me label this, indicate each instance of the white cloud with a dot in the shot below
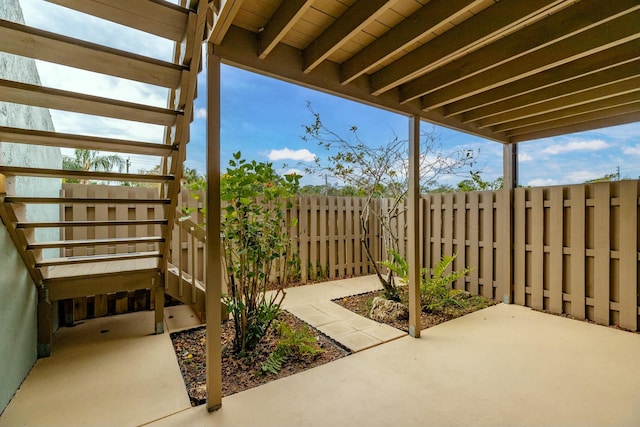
(288, 154)
(524, 157)
(294, 171)
(581, 176)
(568, 147)
(201, 113)
(632, 150)
(542, 182)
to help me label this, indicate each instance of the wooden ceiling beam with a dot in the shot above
(284, 18)
(413, 28)
(79, 174)
(473, 32)
(592, 124)
(67, 140)
(39, 96)
(596, 39)
(575, 86)
(629, 85)
(34, 43)
(160, 18)
(572, 20)
(581, 110)
(599, 61)
(575, 119)
(354, 19)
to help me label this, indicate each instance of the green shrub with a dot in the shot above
(293, 342)
(435, 293)
(255, 240)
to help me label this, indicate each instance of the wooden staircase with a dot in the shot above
(100, 265)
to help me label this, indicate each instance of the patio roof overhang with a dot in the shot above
(510, 71)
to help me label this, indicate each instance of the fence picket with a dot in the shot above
(323, 236)
(486, 201)
(304, 238)
(602, 258)
(460, 237)
(436, 233)
(448, 227)
(629, 287)
(474, 242)
(556, 265)
(536, 231)
(519, 246)
(577, 283)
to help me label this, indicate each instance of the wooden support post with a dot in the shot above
(510, 166)
(413, 253)
(45, 322)
(158, 290)
(214, 253)
(3, 185)
(505, 221)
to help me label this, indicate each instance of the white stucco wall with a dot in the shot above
(18, 297)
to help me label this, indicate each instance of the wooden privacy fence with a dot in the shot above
(565, 249)
(326, 237)
(469, 226)
(576, 251)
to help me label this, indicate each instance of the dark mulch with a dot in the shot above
(361, 304)
(245, 373)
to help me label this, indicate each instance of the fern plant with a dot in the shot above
(293, 342)
(434, 283)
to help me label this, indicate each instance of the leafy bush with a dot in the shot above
(434, 285)
(293, 342)
(255, 241)
(435, 293)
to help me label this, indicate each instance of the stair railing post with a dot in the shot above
(180, 284)
(194, 264)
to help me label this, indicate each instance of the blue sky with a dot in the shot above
(264, 117)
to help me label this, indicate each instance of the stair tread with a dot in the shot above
(56, 224)
(92, 175)
(86, 200)
(96, 258)
(102, 268)
(91, 242)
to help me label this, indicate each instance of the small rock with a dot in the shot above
(384, 310)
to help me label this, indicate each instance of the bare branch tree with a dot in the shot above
(380, 172)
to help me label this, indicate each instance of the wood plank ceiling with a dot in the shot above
(510, 70)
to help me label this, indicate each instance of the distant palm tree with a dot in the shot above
(89, 160)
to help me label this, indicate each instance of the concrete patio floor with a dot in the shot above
(502, 366)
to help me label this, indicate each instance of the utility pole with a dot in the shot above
(128, 163)
(618, 172)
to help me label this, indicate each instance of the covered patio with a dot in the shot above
(509, 71)
(502, 366)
